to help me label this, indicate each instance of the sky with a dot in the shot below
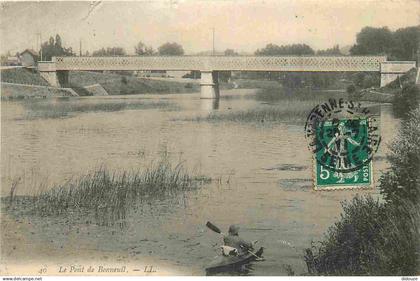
(242, 25)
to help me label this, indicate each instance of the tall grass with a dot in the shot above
(287, 111)
(371, 238)
(106, 192)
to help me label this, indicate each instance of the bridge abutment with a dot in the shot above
(209, 85)
(54, 77)
(391, 70)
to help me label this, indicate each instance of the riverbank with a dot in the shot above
(22, 91)
(116, 84)
(26, 83)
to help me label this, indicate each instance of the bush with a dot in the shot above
(353, 93)
(366, 80)
(371, 238)
(402, 181)
(351, 89)
(405, 100)
(374, 238)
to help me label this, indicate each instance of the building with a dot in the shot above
(29, 58)
(12, 61)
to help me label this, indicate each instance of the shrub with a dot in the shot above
(351, 89)
(371, 238)
(402, 181)
(405, 100)
(374, 238)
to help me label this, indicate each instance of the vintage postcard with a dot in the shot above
(210, 138)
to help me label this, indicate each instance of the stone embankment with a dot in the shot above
(20, 91)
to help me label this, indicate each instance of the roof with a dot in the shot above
(32, 52)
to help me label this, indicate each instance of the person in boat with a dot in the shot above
(234, 244)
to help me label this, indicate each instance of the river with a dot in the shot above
(261, 175)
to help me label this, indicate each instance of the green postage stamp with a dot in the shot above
(343, 138)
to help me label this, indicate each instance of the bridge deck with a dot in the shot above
(221, 63)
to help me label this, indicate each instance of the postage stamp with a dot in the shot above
(343, 138)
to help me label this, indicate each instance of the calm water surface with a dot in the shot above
(261, 174)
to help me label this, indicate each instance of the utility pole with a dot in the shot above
(80, 48)
(39, 44)
(213, 43)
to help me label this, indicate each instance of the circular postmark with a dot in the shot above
(342, 134)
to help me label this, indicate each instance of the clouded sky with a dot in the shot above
(241, 25)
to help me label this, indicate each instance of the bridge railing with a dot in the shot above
(221, 63)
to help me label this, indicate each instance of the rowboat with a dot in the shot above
(233, 263)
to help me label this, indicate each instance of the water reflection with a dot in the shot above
(209, 105)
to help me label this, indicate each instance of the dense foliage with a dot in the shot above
(399, 45)
(402, 181)
(53, 47)
(405, 100)
(284, 50)
(109, 52)
(142, 50)
(334, 51)
(374, 238)
(171, 49)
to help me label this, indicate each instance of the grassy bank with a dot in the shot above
(116, 84)
(22, 76)
(111, 193)
(373, 237)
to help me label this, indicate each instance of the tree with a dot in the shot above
(53, 48)
(109, 52)
(142, 50)
(373, 41)
(334, 51)
(406, 43)
(171, 49)
(294, 49)
(230, 52)
(57, 41)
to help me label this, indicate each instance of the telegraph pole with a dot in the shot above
(213, 43)
(40, 44)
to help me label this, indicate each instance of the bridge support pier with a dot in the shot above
(209, 85)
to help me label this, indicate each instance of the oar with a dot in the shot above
(252, 253)
(214, 228)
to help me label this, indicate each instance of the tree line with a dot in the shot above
(401, 44)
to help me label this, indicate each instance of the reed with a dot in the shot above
(104, 191)
(287, 111)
